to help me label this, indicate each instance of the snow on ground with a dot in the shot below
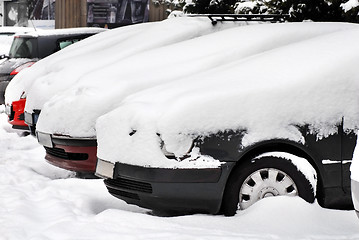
(39, 201)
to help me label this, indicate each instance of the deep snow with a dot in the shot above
(39, 201)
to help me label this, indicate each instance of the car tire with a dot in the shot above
(263, 177)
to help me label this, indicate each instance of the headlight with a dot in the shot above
(183, 148)
(8, 110)
(28, 118)
(164, 150)
(104, 169)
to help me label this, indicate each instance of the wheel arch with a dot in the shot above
(280, 145)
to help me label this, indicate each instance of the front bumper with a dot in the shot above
(169, 190)
(355, 195)
(74, 154)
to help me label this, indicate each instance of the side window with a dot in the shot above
(66, 42)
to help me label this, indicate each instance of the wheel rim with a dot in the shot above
(266, 182)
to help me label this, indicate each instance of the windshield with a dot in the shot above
(23, 48)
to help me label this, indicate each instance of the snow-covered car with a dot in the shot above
(7, 36)
(124, 42)
(27, 49)
(282, 122)
(97, 88)
(73, 146)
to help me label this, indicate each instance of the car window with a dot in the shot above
(65, 43)
(23, 48)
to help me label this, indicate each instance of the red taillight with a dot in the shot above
(18, 69)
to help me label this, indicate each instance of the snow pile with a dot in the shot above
(103, 51)
(39, 201)
(310, 82)
(90, 98)
(349, 5)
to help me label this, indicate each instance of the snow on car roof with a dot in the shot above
(313, 82)
(62, 69)
(64, 31)
(91, 98)
(7, 36)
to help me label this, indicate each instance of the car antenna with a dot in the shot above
(33, 25)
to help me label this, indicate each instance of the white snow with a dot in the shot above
(39, 201)
(347, 6)
(63, 69)
(90, 99)
(314, 82)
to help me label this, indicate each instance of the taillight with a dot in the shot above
(18, 69)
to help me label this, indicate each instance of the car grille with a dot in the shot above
(120, 193)
(60, 153)
(129, 185)
(12, 114)
(22, 117)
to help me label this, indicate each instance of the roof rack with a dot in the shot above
(243, 17)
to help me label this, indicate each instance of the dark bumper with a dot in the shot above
(75, 155)
(170, 190)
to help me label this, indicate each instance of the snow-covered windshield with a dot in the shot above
(24, 48)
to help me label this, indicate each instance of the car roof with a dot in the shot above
(61, 32)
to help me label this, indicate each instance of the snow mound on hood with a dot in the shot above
(310, 82)
(102, 90)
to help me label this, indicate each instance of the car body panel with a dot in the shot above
(185, 190)
(71, 154)
(16, 117)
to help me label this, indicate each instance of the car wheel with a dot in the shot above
(261, 178)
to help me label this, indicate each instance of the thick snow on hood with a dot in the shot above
(64, 68)
(89, 98)
(312, 82)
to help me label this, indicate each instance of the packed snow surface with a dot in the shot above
(103, 89)
(39, 201)
(314, 81)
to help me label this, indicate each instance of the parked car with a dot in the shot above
(76, 150)
(354, 169)
(126, 42)
(6, 38)
(27, 49)
(74, 147)
(280, 123)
